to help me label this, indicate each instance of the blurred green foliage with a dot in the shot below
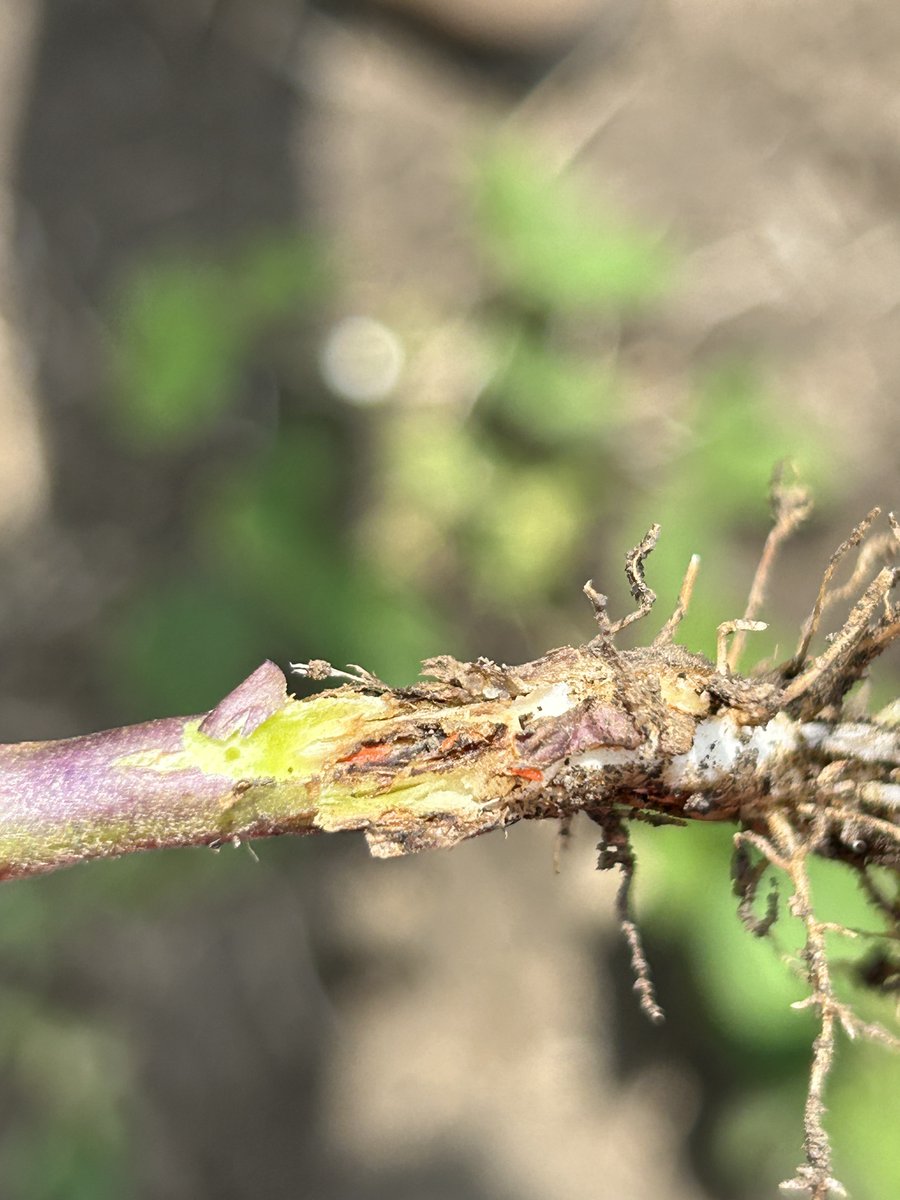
(385, 535)
(187, 327)
(551, 248)
(69, 1141)
(67, 1137)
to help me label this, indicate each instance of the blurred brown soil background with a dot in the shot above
(453, 1027)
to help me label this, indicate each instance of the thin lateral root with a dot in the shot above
(318, 670)
(746, 877)
(815, 1174)
(561, 842)
(853, 647)
(667, 633)
(643, 982)
(791, 505)
(634, 570)
(615, 850)
(599, 603)
(811, 625)
(724, 632)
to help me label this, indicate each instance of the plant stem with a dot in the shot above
(484, 746)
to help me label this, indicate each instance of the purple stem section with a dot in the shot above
(66, 801)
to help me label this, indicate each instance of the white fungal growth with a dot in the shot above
(612, 756)
(553, 701)
(720, 742)
(858, 740)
